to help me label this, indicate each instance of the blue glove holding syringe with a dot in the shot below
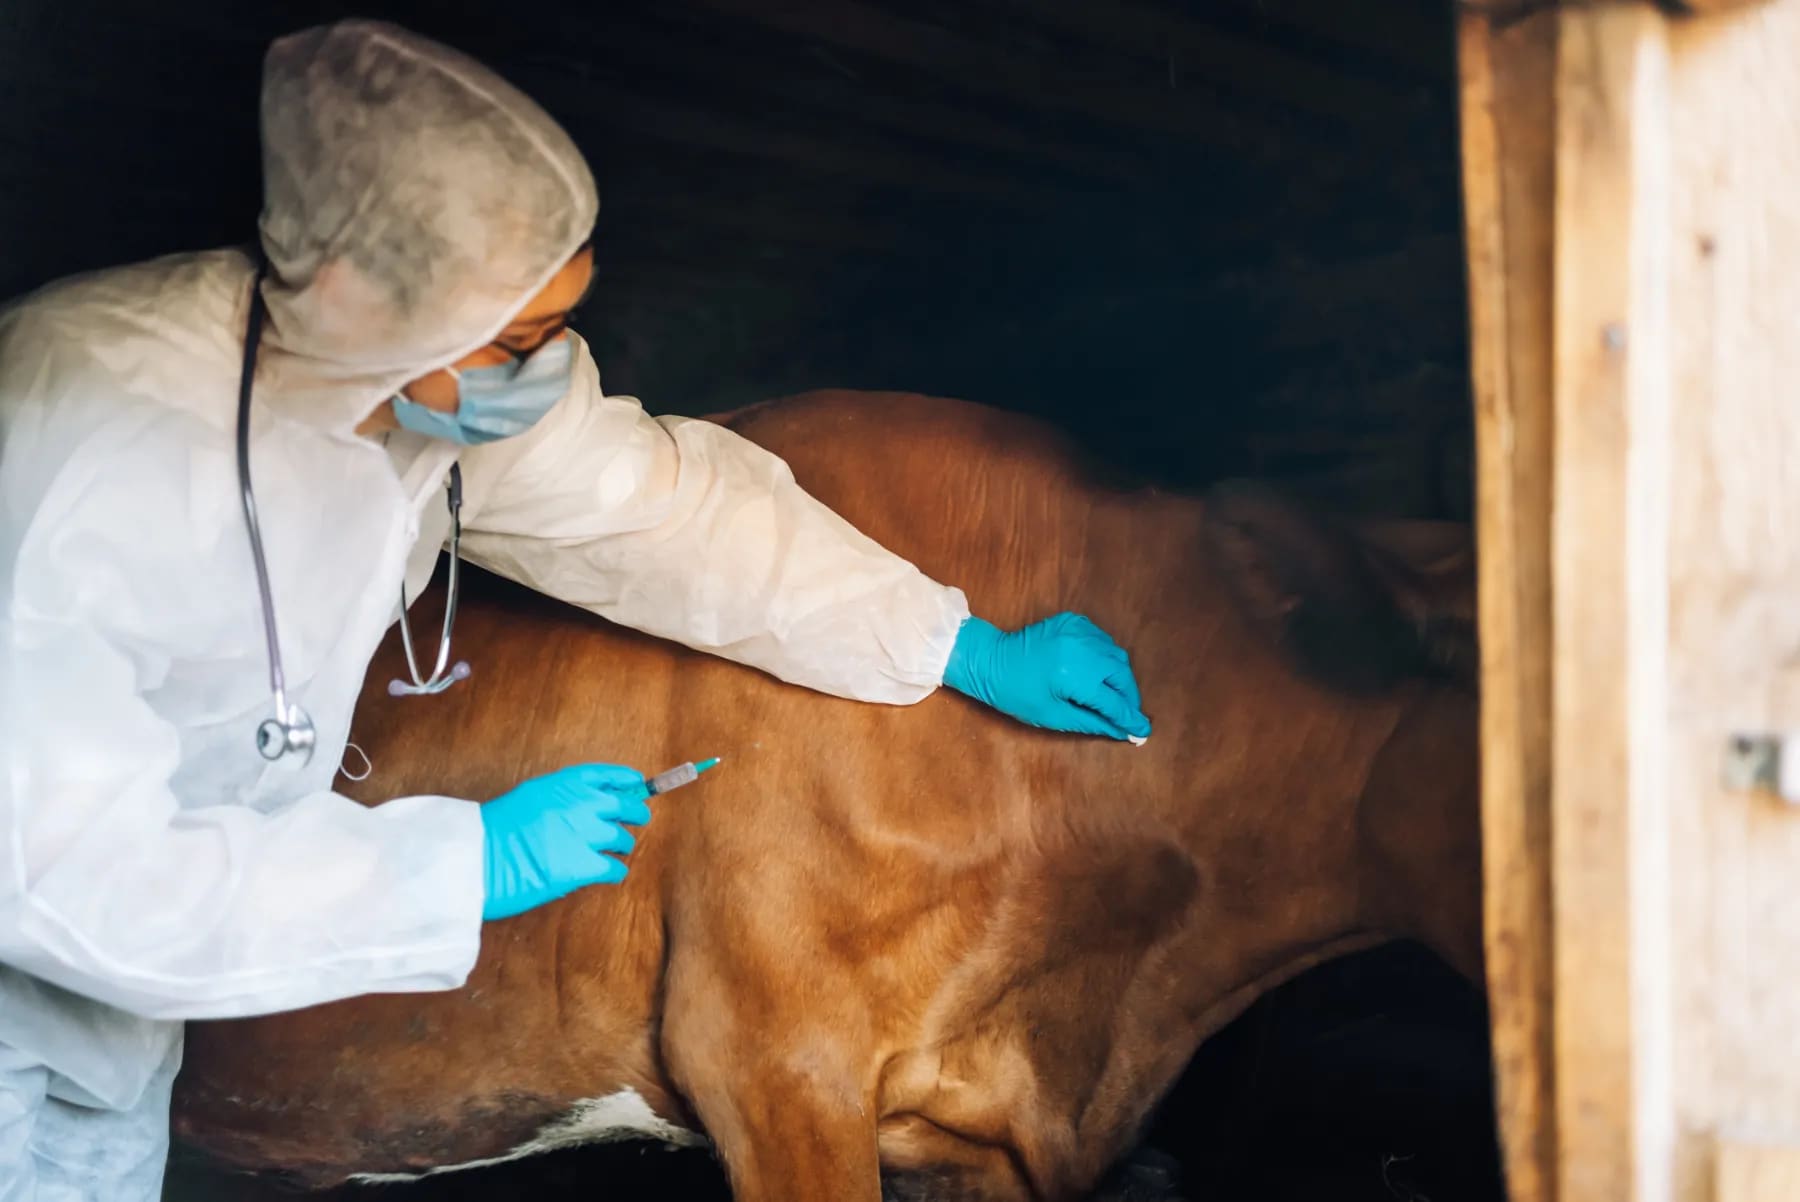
(553, 834)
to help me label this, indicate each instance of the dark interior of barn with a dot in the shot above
(1212, 238)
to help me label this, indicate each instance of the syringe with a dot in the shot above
(679, 775)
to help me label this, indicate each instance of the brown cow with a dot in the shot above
(924, 944)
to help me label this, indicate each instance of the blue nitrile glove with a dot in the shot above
(1063, 673)
(544, 838)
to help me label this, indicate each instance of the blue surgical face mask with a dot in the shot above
(499, 401)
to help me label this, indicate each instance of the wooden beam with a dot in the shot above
(1735, 548)
(1508, 154)
(1405, 39)
(1610, 564)
(1349, 300)
(959, 62)
(759, 221)
(682, 47)
(1252, 68)
(1709, 7)
(754, 135)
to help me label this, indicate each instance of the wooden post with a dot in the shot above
(1672, 522)
(1757, 1173)
(1734, 593)
(1609, 827)
(1508, 142)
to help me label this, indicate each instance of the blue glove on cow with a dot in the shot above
(544, 838)
(1064, 673)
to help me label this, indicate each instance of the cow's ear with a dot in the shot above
(1350, 614)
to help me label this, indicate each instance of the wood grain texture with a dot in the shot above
(1609, 564)
(1508, 161)
(1757, 1173)
(1735, 576)
(1677, 561)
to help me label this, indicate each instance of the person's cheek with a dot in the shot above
(434, 391)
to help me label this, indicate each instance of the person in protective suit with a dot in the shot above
(425, 232)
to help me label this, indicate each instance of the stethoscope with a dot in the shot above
(291, 730)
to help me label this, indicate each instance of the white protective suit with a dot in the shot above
(155, 868)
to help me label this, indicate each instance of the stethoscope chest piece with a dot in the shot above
(276, 737)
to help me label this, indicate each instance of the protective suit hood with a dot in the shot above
(413, 202)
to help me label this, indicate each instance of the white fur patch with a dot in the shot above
(620, 1116)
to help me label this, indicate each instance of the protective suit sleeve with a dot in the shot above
(121, 895)
(683, 529)
(110, 887)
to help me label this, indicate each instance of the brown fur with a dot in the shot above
(925, 941)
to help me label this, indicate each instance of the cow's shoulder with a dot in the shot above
(1359, 608)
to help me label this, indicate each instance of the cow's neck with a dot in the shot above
(1399, 859)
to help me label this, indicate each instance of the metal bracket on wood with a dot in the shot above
(1763, 762)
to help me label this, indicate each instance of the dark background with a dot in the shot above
(1214, 235)
(1211, 236)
